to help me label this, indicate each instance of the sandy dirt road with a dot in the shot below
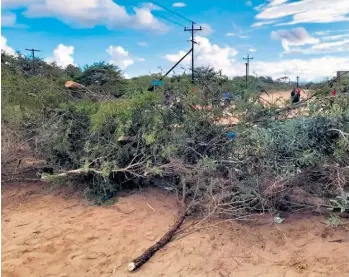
(280, 97)
(59, 234)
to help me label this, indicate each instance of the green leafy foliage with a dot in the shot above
(134, 139)
(102, 76)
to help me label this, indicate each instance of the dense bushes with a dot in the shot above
(136, 139)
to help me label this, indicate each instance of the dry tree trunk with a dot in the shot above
(142, 259)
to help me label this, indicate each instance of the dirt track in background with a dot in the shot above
(279, 97)
(59, 234)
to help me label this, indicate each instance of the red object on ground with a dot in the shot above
(298, 91)
(334, 93)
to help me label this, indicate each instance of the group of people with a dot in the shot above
(296, 95)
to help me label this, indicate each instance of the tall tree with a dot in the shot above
(105, 77)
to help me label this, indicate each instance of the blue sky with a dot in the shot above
(309, 38)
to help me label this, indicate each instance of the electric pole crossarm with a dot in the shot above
(33, 51)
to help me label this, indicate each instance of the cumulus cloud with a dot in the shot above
(62, 55)
(304, 11)
(90, 13)
(176, 57)
(7, 49)
(206, 29)
(299, 41)
(179, 5)
(8, 19)
(119, 56)
(309, 69)
(293, 37)
(209, 54)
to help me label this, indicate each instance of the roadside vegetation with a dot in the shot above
(113, 134)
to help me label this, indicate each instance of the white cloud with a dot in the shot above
(234, 35)
(252, 50)
(17, 3)
(322, 33)
(90, 13)
(62, 55)
(206, 29)
(308, 69)
(176, 57)
(141, 59)
(248, 3)
(335, 37)
(324, 48)
(299, 41)
(262, 23)
(294, 37)
(8, 19)
(7, 49)
(179, 5)
(119, 56)
(209, 54)
(143, 44)
(304, 11)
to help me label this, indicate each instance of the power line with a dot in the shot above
(221, 39)
(170, 20)
(185, 18)
(172, 11)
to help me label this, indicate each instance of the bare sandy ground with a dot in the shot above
(59, 234)
(280, 97)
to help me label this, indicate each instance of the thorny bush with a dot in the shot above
(136, 140)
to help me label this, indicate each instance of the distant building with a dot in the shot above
(342, 73)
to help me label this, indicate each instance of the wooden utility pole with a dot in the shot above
(33, 52)
(247, 66)
(193, 42)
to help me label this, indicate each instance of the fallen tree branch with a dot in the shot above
(81, 171)
(142, 259)
(20, 180)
